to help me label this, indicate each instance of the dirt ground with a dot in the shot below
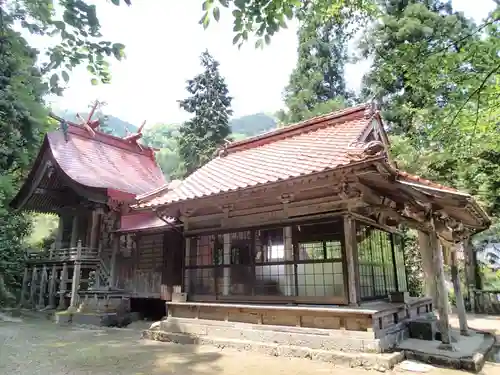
(40, 347)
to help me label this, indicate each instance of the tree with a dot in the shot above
(319, 75)
(210, 103)
(22, 124)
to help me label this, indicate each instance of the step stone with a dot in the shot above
(380, 362)
(295, 336)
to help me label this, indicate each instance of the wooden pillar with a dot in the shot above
(43, 286)
(455, 279)
(441, 292)
(226, 277)
(74, 231)
(187, 256)
(75, 284)
(34, 279)
(112, 266)
(24, 287)
(60, 232)
(426, 252)
(470, 271)
(289, 268)
(94, 229)
(351, 258)
(52, 287)
(63, 284)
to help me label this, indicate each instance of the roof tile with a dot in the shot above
(311, 146)
(105, 161)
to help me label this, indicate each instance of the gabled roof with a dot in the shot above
(105, 161)
(321, 143)
(99, 161)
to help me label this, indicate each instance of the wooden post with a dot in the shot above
(63, 283)
(94, 229)
(351, 253)
(34, 277)
(112, 267)
(74, 232)
(75, 285)
(455, 279)
(426, 252)
(43, 286)
(226, 276)
(470, 272)
(441, 292)
(289, 268)
(52, 287)
(24, 287)
(60, 231)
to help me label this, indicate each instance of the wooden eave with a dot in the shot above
(45, 188)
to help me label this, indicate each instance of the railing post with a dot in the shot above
(24, 287)
(75, 285)
(62, 286)
(43, 286)
(34, 277)
(52, 287)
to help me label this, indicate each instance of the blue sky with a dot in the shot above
(163, 42)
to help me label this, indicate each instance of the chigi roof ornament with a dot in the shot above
(372, 108)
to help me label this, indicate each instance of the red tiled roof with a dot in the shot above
(314, 145)
(138, 221)
(105, 161)
(404, 176)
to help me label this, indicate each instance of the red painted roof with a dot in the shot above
(137, 221)
(105, 161)
(314, 145)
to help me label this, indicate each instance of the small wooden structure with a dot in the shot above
(87, 178)
(289, 227)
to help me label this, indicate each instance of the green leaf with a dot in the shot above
(236, 38)
(268, 39)
(217, 14)
(59, 25)
(54, 79)
(65, 76)
(259, 44)
(94, 81)
(116, 2)
(224, 3)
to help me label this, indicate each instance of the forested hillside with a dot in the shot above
(164, 136)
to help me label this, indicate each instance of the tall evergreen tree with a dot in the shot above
(22, 124)
(210, 104)
(319, 75)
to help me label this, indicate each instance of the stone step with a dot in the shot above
(317, 339)
(380, 362)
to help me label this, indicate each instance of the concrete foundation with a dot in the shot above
(380, 362)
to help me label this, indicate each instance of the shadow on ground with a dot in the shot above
(43, 348)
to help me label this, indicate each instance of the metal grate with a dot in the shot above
(377, 266)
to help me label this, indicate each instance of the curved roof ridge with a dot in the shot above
(295, 129)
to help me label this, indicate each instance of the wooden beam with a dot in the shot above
(352, 260)
(459, 297)
(441, 292)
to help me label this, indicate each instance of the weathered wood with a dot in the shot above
(52, 287)
(289, 268)
(60, 232)
(63, 284)
(441, 292)
(94, 228)
(112, 268)
(43, 286)
(351, 251)
(34, 280)
(427, 266)
(75, 284)
(24, 288)
(459, 298)
(74, 230)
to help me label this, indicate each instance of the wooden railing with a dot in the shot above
(71, 253)
(487, 302)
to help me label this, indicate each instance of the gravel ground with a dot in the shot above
(40, 347)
